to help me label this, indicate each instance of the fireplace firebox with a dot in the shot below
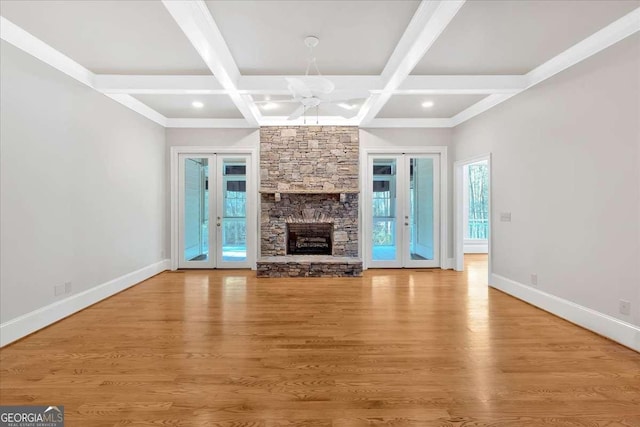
(309, 239)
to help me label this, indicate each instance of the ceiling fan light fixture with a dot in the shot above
(347, 106)
(311, 41)
(269, 106)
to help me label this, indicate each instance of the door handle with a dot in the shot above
(218, 224)
(406, 223)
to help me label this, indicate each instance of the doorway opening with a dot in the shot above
(473, 212)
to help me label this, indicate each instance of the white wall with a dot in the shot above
(83, 186)
(566, 164)
(416, 137)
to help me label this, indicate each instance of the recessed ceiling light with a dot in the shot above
(197, 104)
(269, 106)
(427, 104)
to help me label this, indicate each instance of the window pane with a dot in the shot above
(478, 211)
(234, 221)
(384, 201)
(196, 208)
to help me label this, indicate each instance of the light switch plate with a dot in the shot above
(505, 216)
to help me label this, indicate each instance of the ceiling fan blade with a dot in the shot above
(319, 85)
(277, 101)
(347, 95)
(298, 88)
(336, 110)
(297, 113)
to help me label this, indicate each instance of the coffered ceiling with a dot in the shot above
(222, 63)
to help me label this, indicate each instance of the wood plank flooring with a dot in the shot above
(393, 348)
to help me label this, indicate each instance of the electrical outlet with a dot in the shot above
(534, 279)
(625, 307)
(67, 287)
(505, 216)
(58, 290)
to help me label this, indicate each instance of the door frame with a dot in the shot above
(458, 206)
(365, 177)
(252, 196)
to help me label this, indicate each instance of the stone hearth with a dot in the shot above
(309, 182)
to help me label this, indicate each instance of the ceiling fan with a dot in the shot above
(315, 90)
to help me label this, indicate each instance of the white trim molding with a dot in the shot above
(208, 123)
(29, 323)
(459, 85)
(472, 246)
(408, 123)
(600, 323)
(158, 85)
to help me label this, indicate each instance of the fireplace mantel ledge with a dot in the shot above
(341, 191)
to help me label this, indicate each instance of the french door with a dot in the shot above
(212, 214)
(403, 203)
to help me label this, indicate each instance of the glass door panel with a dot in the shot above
(232, 212)
(421, 212)
(195, 236)
(384, 207)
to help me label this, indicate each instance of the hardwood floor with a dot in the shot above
(395, 347)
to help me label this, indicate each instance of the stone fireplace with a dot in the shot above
(309, 201)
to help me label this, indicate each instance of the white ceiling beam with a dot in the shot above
(173, 85)
(410, 123)
(139, 107)
(195, 20)
(311, 120)
(609, 35)
(429, 21)
(277, 85)
(480, 107)
(13, 34)
(461, 85)
(208, 123)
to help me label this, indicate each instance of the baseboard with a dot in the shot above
(605, 325)
(450, 264)
(476, 249)
(26, 324)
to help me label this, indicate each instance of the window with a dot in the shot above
(478, 205)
